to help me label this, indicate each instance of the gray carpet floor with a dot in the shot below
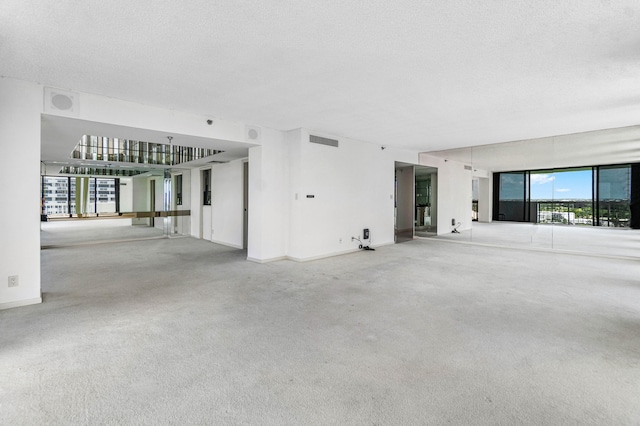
(182, 331)
(82, 233)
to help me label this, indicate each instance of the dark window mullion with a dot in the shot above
(595, 196)
(69, 194)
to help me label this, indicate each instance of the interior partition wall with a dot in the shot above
(606, 196)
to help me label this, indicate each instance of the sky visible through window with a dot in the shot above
(569, 185)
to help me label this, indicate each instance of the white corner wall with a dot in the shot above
(205, 227)
(140, 198)
(227, 203)
(126, 194)
(158, 223)
(182, 224)
(196, 203)
(269, 191)
(485, 198)
(20, 108)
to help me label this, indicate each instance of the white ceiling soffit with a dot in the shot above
(407, 73)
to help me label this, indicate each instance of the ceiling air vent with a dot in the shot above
(467, 167)
(323, 141)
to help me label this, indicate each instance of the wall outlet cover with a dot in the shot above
(13, 281)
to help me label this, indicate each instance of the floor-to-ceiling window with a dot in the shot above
(55, 195)
(60, 195)
(562, 196)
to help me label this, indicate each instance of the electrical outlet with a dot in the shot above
(13, 281)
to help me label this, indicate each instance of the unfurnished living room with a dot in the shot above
(315, 213)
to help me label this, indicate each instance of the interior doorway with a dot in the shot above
(404, 202)
(416, 205)
(245, 206)
(475, 183)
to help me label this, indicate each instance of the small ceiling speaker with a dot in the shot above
(60, 102)
(252, 133)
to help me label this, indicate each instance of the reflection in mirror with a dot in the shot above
(577, 192)
(591, 210)
(88, 209)
(426, 201)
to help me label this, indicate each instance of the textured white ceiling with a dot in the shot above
(424, 75)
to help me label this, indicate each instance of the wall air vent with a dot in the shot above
(467, 167)
(323, 141)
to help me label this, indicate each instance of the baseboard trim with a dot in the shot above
(273, 259)
(19, 303)
(222, 243)
(312, 258)
(322, 256)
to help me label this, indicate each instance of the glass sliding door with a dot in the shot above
(613, 196)
(572, 202)
(513, 196)
(594, 196)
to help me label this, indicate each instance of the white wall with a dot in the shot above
(353, 188)
(182, 224)
(206, 223)
(454, 193)
(434, 200)
(126, 195)
(269, 196)
(20, 107)
(195, 203)
(205, 211)
(227, 203)
(140, 198)
(159, 201)
(485, 199)
(125, 113)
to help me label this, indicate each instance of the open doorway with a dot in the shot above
(404, 202)
(474, 199)
(245, 205)
(415, 201)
